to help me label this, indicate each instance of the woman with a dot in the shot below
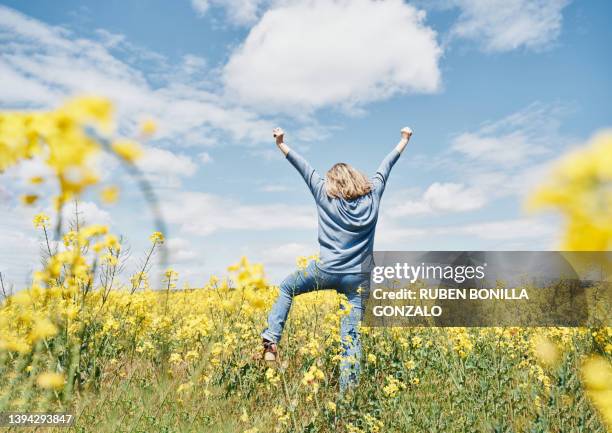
(347, 207)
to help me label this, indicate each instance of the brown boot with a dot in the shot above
(270, 353)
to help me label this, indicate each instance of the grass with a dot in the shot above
(413, 380)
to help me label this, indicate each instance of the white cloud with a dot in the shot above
(200, 6)
(180, 250)
(392, 234)
(203, 214)
(5, 193)
(280, 259)
(515, 140)
(510, 149)
(285, 254)
(110, 39)
(504, 25)
(306, 55)
(15, 87)
(276, 188)
(502, 159)
(166, 168)
(41, 65)
(27, 169)
(540, 232)
(239, 12)
(32, 29)
(439, 198)
(88, 213)
(508, 230)
(205, 158)
(193, 64)
(20, 248)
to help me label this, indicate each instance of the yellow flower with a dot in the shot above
(248, 275)
(62, 134)
(91, 110)
(92, 231)
(579, 188)
(597, 377)
(14, 345)
(110, 259)
(254, 300)
(312, 378)
(41, 220)
(192, 355)
(175, 358)
(244, 417)
(302, 262)
(110, 194)
(170, 277)
(148, 127)
(272, 377)
(393, 387)
(416, 341)
(70, 238)
(42, 328)
(545, 351)
(50, 380)
(128, 150)
(157, 238)
(184, 387)
(331, 406)
(112, 242)
(29, 199)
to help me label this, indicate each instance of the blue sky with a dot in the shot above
(494, 90)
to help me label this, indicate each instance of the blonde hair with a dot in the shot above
(343, 181)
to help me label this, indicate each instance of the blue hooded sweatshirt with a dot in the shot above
(346, 227)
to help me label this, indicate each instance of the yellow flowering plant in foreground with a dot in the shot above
(133, 356)
(581, 189)
(61, 139)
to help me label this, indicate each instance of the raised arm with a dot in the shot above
(310, 175)
(279, 135)
(382, 174)
(406, 134)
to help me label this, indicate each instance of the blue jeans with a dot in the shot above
(310, 279)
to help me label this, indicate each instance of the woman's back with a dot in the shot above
(346, 227)
(347, 205)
